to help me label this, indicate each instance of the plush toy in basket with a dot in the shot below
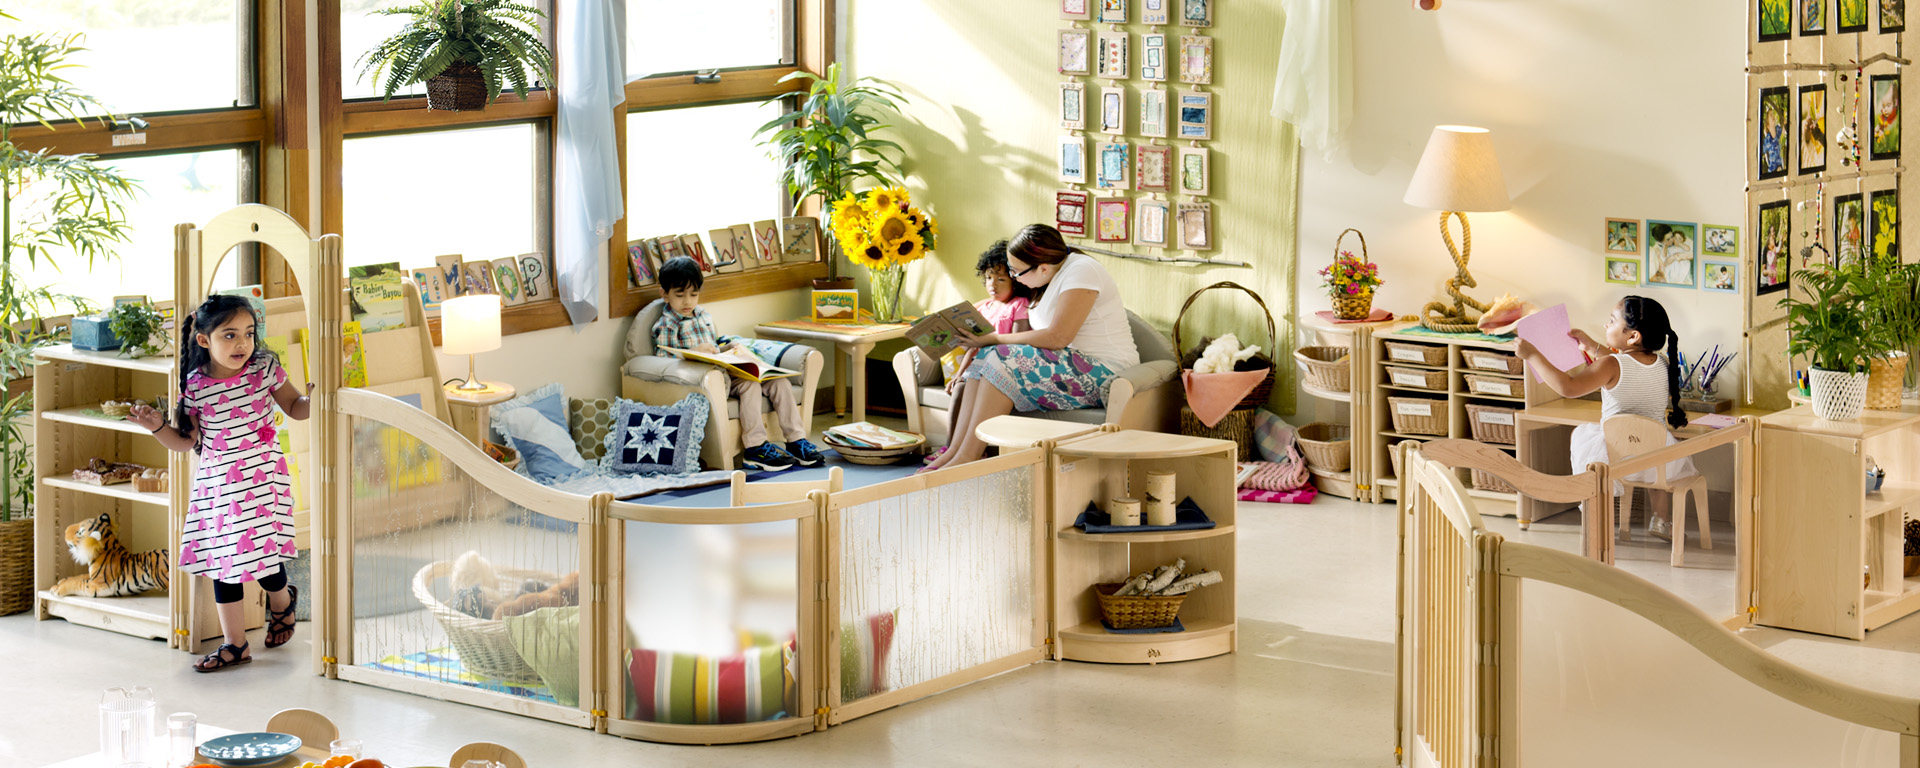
(484, 597)
(1248, 375)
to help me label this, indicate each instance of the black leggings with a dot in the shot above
(225, 592)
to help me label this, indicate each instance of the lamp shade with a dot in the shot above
(1459, 172)
(470, 324)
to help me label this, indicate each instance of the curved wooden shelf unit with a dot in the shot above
(1327, 394)
(1147, 538)
(79, 417)
(119, 491)
(1131, 444)
(162, 364)
(1203, 638)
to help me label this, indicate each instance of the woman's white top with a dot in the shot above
(1106, 335)
(1641, 391)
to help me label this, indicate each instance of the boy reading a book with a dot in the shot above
(684, 325)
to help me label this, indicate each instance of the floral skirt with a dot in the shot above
(1043, 379)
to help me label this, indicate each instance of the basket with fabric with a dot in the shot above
(485, 646)
(1251, 378)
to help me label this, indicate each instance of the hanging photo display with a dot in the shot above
(1885, 94)
(1153, 58)
(1716, 240)
(1073, 51)
(1196, 115)
(1670, 253)
(1773, 132)
(1113, 11)
(1070, 213)
(1813, 128)
(1194, 170)
(1884, 224)
(1152, 226)
(1776, 20)
(1113, 56)
(1813, 17)
(1154, 11)
(1849, 229)
(1196, 13)
(1893, 16)
(1153, 113)
(1196, 226)
(1111, 220)
(1623, 236)
(1720, 276)
(1076, 10)
(1196, 59)
(1113, 111)
(1073, 160)
(1073, 106)
(1851, 16)
(1153, 168)
(1770, 248)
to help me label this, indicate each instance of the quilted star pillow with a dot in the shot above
(654, 439)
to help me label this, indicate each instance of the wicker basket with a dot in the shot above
(1418, 415)
(1418, 354)
(1236, 426)
(460, 87)
(16, 565)
(1417, 378)
(485, 646)
(1264, 389)
(1491, 362)
(1357, 306)
(1393, 453)
(1492, 385)
(1491, 423)
(1325, 367)
(1487, 482)
(1137, 611)
(1328, 447)
(874, 456)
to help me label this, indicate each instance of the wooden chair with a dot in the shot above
(312, 728)
(486, 750)
(1629, 436)
(774, 493)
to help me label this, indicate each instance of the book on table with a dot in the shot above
(738, 365)
(940, 332)
(862, 434)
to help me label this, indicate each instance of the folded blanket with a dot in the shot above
(596, 480)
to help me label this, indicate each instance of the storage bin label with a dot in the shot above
(1406, 353)
(1493, 417)
(1490, 362)
(1413, 409)
(1491, 388)
(1405, 379)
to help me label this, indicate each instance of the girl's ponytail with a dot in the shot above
(192, 358)
(1649, 319)
(1676, 418)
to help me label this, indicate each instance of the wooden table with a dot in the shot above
(469, 409)
(317, 753)
(1025, 431)
(853, 342)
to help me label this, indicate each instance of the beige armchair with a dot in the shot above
(663, 380)
(1142, 397)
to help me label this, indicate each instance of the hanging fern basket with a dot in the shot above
(460, 88)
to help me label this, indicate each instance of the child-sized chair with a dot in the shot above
(312, 728)
(488, 751)
(744, 493)
(1629, 436)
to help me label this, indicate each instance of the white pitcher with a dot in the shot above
(126, 726)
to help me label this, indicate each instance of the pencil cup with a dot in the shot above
(1124, 511)
(1159, 502)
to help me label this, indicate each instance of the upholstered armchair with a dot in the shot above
(1142, 397)
(657, 379)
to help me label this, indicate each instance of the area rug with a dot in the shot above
(442, 665)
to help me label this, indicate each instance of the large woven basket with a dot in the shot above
(1236, 426)
(1327, 446)
(1137, 611)
(1492, 362)
(485, 646)
(16, 565)
(460, 87)
(1418, 415)
(1264, 389)
(1492, 423)
(1418, 354)
(1325, 367)
(1485, 481)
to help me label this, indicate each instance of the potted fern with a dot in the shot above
(463, 50)
(1833, 329)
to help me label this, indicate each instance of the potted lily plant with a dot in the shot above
(833, 142)
(463, 50)
(1833, 328)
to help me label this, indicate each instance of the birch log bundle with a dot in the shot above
(1168, 580)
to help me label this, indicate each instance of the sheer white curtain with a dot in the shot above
(1314, 90)
(587, 182)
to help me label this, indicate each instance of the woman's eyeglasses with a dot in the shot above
(1022, 273)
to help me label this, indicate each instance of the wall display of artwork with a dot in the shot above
(1849, 228)
(1770, 247)
(1195, 226)
(1671, 253)
(1883, 224)
(1073, 52)
(1073, 160)
(1113, 165)
(1812, 131)
(1070, 213)
(1153, 168)
(743, 246)
(1813, 17)
(536, 274)
(1113, 64)
(1073, 106)
(1886, 117)
(450, 268)
(1893, 16)
(1196, 59)
(1717, 240)
(1720, 276)
(1151, 228)
(1195, 170)
(1077, 10)
(1195, 109)
(478, 278)
(766, 242)
(1773, 132)
(726, 252)
(1153, 113)
(1154, 11)
(692, 248)
(1623, 236)
(1776, 20)
(800, 239)
(1113, 11)
(1851, 16)
(506, 279)
(640, 269)
(1153, 58)
(1112, 219)
(1113, 111)
(1196, 13)
(1623, 271)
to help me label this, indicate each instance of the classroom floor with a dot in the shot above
(1312, 683)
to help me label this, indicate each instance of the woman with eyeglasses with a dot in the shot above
(1080, 340)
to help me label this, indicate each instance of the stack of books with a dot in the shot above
(861, 434)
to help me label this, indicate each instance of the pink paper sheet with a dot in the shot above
(1547, 331)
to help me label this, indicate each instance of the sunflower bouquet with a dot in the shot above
(881, 230)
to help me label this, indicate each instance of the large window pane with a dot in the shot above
(145, 56)
(414, 196)
(361, 30)
(698, 169)
(666, 36)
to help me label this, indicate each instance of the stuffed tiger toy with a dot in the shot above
(111, 570)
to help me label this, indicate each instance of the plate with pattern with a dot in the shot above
(249, 748)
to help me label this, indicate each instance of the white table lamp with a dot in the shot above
(1457, 174)
(470, 325)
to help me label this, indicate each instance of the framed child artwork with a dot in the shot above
(800, 239)
(1849, 229)
(478, 277)
(672, 248)
(743, 246)
(1720, 276)
(506, 278)
(1196, 59)
(1670, 253)
(1884, 224)
(1070, 213)
(1077, 10)
(1154, 11)
(1073, 106)
(1886, 117)
(1851, 16)
(1073, 160)
(1770, 247)
(1153, 168)
(450, 272)
(1113, 111)
(1113, 11)
(1112, 219)
(1893, 16)
(1153, 58)
(1776, 20)
(536, 275)
(1153, 113)
(1773, 132)
(1196, 115)
(725, 250)
(1114, 165)
(1195, 224)
(1195, 170)
(433, 290)
(1196, 13)
(1623, 271)
(1812, 133)
(693, 248)
(1113, 64)
(1151, 229)
(639, 271)
(1073, 51)
(1813, 17)
(766, 242)
(1717, 240)
(1623, 236)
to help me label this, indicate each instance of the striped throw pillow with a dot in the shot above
(689, 689)
(864, 647)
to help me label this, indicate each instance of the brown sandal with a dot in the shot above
(282, 621)
(227, 655)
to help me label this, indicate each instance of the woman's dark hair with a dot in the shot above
(212, 313)
(680, 272)
(1649, 319)
(1038, 244)
(995, 257)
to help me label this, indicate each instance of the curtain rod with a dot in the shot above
(1165, 259)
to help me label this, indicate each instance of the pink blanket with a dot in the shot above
(1212, 395)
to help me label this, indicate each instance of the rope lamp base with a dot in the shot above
(1437, 315)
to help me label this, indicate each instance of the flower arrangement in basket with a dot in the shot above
(1350, 280)
(881, 230)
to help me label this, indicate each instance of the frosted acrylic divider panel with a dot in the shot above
(415, 514)
(935, 581)
(1601, 686)
(712, 622)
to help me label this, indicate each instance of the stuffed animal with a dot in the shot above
(1220, 356)
(564, 593)
(111, 570)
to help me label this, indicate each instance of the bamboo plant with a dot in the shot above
(500, 38)
(828, 143)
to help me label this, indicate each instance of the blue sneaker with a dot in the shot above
(805, 453)
(768, 457)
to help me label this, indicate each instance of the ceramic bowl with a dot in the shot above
(244, 749)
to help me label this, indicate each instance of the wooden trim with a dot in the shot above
(411, 114)
(818, 34)
(1741, 433)
(186, 130)
(1030, 457)
(332, 119)
(676, 91)
(759, 513)
(667, 733)
(1469, 454)
(786, 277)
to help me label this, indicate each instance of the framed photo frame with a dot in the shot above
(1812, 131)
(1114, 63)
(1070, 213)
(1623, 236)
(1113, 111)
(1719, 276)
(1196, 169)
(1113, 165)
(1151, 225)
(1113, 220)
(1773, 269)
(1719, 240)
(1195, 110)
(1893, 16)
(1073, 106)
(1194, 224)
(1883, 225)
(1672, 252)
(1851, 16)
(1113, 11)
(1153, 113)
(1196, 13)
(1849, 229)
(1196, 59)
(1153, 168)
(1776, 20)
(1154, 11)
(1813, 17)
(1072, 160)
(1076, 10)
(1153, 58)
(1075, 51)
(1623, 271)
(1885, 93)
(1773, 144)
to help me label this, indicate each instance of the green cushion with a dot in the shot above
(549, 640)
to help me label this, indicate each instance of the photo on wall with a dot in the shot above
(1893, 16)
(1073, 160)
(1076, 10)
(1813, 17)
(1671, 253)
(1716, 240)
(1113, 11)
(1154, 11)
(1196, 226)
(1153, 168)
(1151, 230)
(1114, 165)
(1849, 229)
(1113, 111)
(1195, 170)
(1770, 247)
(1623, 271)
(1196, 59)
(1153, 113)
(1196, 13)
(1773, 132)
(1851, 16)
(1073, 106)
(1623, 236)
(1196, 116)
(1813, 128)
(1885, 92)
(1776, 20)
(1153, 58)
(1720, 276)
(1070, 213)
(1113, 56)
(1884, 224)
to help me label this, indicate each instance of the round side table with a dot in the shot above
(470, 408)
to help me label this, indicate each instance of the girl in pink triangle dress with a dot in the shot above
(239, 521)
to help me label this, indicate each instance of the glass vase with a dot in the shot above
(885, 293)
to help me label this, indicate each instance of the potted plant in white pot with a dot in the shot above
(1832, 328)
(1893, 307)
(463, 50)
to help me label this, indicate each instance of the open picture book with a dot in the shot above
(734, 363)
(940, 332)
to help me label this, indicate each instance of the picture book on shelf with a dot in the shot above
(940, 332)
(377, 296)
(256, 297)
(863, 434)
(738, 365)
(353, 361)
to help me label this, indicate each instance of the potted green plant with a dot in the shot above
(463, 50)
(1832, 328)
(138, 327)
(1893, 305)
(829, 142)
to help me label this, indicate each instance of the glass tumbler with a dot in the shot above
(180, 739)
(347, 747)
